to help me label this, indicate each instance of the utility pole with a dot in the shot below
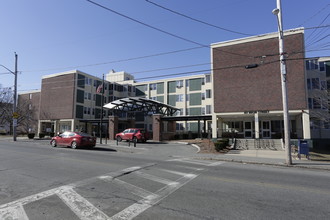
(102, 103)
(15, 101)
(278, 13)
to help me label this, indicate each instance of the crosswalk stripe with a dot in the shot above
(16, 212)
(142, 205)
(79, 205)
(154, 178)
(132, 188)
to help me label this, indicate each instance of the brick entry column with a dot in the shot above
(157, 127)
(113, 127)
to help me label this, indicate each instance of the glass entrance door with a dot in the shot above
(248, 129)
(266, 131)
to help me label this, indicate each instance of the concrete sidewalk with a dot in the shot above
(267, 157)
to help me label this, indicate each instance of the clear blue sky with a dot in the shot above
(52, 36)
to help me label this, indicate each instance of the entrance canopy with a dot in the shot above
(139, 104)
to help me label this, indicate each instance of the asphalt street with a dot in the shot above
(151, 181)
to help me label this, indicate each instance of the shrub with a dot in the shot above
(31, 135)
(41, 135)
(221, 144)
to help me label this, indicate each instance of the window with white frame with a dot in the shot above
(187, 97)
(208, 109)
(203, 110)
(179, 83)
(207, 78)
(179, 98)
(153, 86)
(208, 93)
(203, 95)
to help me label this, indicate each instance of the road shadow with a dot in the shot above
(99, 149)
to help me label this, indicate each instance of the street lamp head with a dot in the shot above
(276, 11)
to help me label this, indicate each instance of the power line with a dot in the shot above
(118, 61)
(162, 31)
(317, 13)
(194, 19)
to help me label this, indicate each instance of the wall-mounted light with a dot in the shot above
(250, 66)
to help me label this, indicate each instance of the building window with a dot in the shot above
(179, 98)
(310, 103)
(187, 98)
(323, 85)
(208, 94)
(179, 83)
(85, 110)
(187, 82)
(208, 109)
(322, 66)
(179, 126)
(312, 65)
(86, 95)
(153, 86)
(315, 83)
(316, 103)
(153, 98)
(203, 111)
(89, 96)
(207, 78)
(203, 95)
(309, 85)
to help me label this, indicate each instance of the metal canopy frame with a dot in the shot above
(139, 104)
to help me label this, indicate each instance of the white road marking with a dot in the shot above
(154, 178)
(79, 205)
(133, 189)
(142, 205)
(199, 162)
(13, 213)
(14, 210)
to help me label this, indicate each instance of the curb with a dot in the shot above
(263, 163)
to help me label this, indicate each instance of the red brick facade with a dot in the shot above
(58, 97)
(237, 89)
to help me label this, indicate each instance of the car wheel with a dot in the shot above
(53, 143)
(74, 145)
(119, 139)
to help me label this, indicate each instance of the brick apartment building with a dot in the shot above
(240, 101)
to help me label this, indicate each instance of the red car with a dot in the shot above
(132, 134)
(74, 140)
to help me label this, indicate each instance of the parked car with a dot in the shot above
(3, 130)
(74, 140)
(132, 134)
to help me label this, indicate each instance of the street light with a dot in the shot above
(278, 13)
(15, 98)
